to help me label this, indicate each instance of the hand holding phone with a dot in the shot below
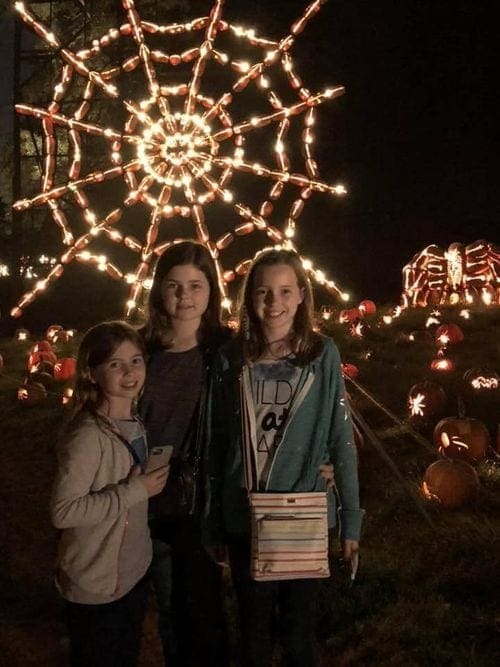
(158, 458)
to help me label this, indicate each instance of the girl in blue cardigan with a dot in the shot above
(298, 395)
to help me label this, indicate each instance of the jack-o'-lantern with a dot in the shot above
(349, 316)
(42, 346)
(64, 369)
(359, 329)
(450, 483)
(36, 357)
(367, 307)
(52, 331)
(32, 393)
(22, 334)
(350, 370)
(425, 401)
(481, 380)
(442, 364)
(449, 334)
(462, 438)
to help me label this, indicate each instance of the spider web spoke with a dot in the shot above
(204, 55)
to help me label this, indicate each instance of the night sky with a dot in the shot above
(412, 139)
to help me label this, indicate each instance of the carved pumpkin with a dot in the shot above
(462, 438)
(22, 334)
(449, 334)
(42, 346)
(52, 331)
(367, 307)
(37, 357)
(349, 316)
(32, 393)
(64, 369)
(482, 380)
(450, 483)
(350, 370)
(442, 364)
(425, 401)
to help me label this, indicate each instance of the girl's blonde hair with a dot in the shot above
(98, 345)
(156, 331)
(305, 342)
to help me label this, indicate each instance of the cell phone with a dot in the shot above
(158, 457)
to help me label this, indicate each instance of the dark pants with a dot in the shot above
(108, 635)
(188, 591)
(286, 609)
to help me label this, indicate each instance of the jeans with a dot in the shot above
(270, 609)
(188, 591)
(108, 635)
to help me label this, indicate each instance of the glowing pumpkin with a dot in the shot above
(425, 401)
(64, 369)
(442, 364)
(449, 334)
(349, 316)
(36, 358)
(482, 380)
(22, 334)
(462, 438)
(367, 307)
(350, 370)
(52, 331)
(32, 393)
(450, 483)
(42, 346)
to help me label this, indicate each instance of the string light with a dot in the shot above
(178, 149)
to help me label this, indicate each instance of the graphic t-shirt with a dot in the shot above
(274, 385)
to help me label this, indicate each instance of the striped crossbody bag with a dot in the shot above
(289, 530)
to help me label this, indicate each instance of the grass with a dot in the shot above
(424, 595)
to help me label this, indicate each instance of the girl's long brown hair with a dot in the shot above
(97, 345)
(156, 331)
(306, 343)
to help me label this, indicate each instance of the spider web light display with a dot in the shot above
(169, 149)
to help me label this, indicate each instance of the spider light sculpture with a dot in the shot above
(462, 274)
(173, 152)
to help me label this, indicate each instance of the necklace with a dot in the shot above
(281, 349)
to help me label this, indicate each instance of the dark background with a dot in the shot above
(413, 139)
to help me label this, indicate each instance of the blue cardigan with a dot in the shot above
(319, 430)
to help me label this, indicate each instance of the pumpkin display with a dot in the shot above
(425, 401)
(32, 393)
(64, 369)
(481, 380)
(449, 334)
(450, 483)
(462, 438)
(367, 307)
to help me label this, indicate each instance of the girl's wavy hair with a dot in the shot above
(156, 330)
(97, 345)
(305, 342)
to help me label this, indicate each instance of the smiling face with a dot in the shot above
(185, 293)
(120, 378)
(276, 296)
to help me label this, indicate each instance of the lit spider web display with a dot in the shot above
(150, 152)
